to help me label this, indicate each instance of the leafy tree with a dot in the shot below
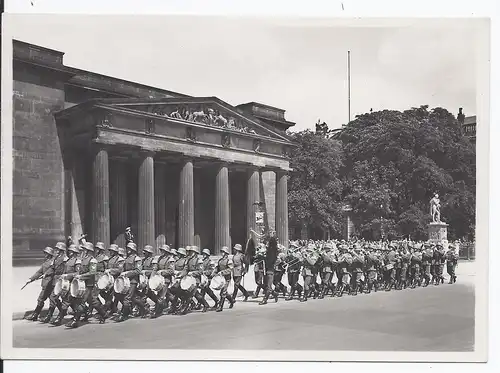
(395, 161)
(315, 188)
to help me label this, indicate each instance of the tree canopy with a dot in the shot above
(387, 165)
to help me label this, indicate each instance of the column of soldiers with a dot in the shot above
(327, 268)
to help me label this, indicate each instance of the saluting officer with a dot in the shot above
(132, 267)
(71, 269)
(239, 270)
(58, 269)
(47, 283)
(225, 268)
(88, 270)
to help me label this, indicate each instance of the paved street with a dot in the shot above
(437, 318)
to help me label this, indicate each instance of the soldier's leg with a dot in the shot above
(42, 297)
(237, 281)
(223, 295)
(54, 303)
(307, 285)
(66, 301)
(259, 282)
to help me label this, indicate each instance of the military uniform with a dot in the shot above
(133, 266)
(88, 270)
(405, 263)
(115, 268)
(71, 269)
(207, 268)
(194, 269)
(358, 263)
(293, 276)
(46, 274)
(415, 267)
(239, 270)
(390, 270)
(371, 264)
(439, 261)
(225, 267)
(326, 273)
(427, 258)
(279, 271)
(57, 269)
(164, 264)
(258, 270)
(345, 261)
(147, 270)
(451, 264)
(307, 273)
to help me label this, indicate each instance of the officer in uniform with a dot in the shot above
(60, 259)
(440, 260)
(71, 269)
(293, 271)
(88, 270)
(164, 265)
(239, 270)
(225, 268)
(451, 264)
(194, 268)
(208, 268)
(47, 282)
(132, 268)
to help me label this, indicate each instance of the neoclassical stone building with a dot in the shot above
(94, 154)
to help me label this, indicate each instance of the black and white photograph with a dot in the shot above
(245, 188)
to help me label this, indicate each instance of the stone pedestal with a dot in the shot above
(438, 232)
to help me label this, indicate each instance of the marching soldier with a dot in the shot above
(102, 265)
(194, 269)
(279, 270)
(326, 270)
(224, 267)
(405, 264)
(147, 269)
(132, 267)
(47, 282)
(440, 258)
(390, 270)
(258, 269)
(71, 269)
(371, 263)
(343, 275)
(307, 272)
(58, 267)
(208, 268)
(164, 265)
(427, 258)
(179, 266)
(358, 263)
(239, 270)
(293, 270)
(115, 267)
(88, 270)
(270, 260)
(451, 264)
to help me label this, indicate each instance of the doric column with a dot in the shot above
(282, 207)
(253, 198)
(222, 209)
(186, 205)
(119, 199)
(100, 196)
(160, 204)
(146, 213)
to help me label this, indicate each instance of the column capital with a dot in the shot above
(143, 153)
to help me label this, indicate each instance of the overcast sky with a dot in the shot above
(300, 67)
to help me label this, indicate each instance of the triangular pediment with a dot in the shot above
(209, 111)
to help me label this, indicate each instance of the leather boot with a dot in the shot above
(256, 293)
(220, 306)
(304, 298)
(47, 318)
(264, 301)
(36, 313)
(276, 296)
(59, 319)
(231, 301)
(246, 297)
(124, 314)
(205, 306)
(235, 294)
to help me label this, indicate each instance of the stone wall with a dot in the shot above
(38, 204)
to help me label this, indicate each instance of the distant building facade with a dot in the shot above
(94, 154)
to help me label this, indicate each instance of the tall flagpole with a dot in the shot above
(349, 84)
